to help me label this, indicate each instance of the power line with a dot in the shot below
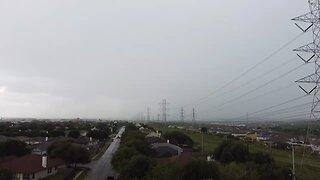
(259, 87)
(247, 71)
(283, 112)
(256, 78)
(280, 104)
(273, 91)
(285, 109)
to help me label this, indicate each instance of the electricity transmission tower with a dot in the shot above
(164, 110)
(148, 114)
(193, 117)
(313, 18)
(182, 114)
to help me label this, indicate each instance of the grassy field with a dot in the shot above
(310, 170)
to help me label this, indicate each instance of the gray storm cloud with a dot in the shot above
(113, 59)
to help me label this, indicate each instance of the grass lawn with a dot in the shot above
(101, 151)
(62, 174)
(83, 175)
(310, 170)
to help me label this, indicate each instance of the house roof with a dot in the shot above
(30, 163)
(158, 145)
(43, 146)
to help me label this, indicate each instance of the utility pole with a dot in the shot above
(313, 18)
(193, 117)
(158, 117)
(182, 115)
(164, 110)
(293, 166)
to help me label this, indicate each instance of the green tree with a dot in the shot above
(13, 147)
(177, 137)
(166, 171)
(201, 169)
(229, 151)
(5, 174)
(74, 133)
(71, 153)
(98, 134)
(137, 167)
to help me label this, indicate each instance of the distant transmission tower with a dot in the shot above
(148, 114)
(312, 17)
(182, 115)
(164, 110)
(193, 117)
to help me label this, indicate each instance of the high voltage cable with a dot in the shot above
(258, 77)
(273, 106)
(281, 113)
(259, 87)
(247, 71)
(288, 108)
(261, 95)
(280, 104)
(293, 116)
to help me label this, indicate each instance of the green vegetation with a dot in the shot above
(132, 160)
(5, 174)
(101, 135)
(74, 133)
(54, 129)
(282, 157)
(83, 174)
(13, 148)
(69, 152)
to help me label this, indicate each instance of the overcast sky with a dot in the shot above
(115, 58)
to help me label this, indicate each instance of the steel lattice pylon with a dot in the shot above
(312, 17)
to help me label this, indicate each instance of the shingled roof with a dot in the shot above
(30, 163)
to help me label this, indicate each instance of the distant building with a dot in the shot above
(252, 137)
(33, 167)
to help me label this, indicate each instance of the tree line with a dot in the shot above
(232, 161)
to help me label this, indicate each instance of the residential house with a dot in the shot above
(33, 167)
(166, 149)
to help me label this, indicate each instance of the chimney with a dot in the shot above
(44, 160)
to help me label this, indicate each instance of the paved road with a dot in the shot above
(102, 168)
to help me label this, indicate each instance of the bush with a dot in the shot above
(136, 168)
(69, 152)
(13, 147)
(166, 171)
(201, 169)
(5, 174)
(229, 151)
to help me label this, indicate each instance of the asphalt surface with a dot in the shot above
(102, 168)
